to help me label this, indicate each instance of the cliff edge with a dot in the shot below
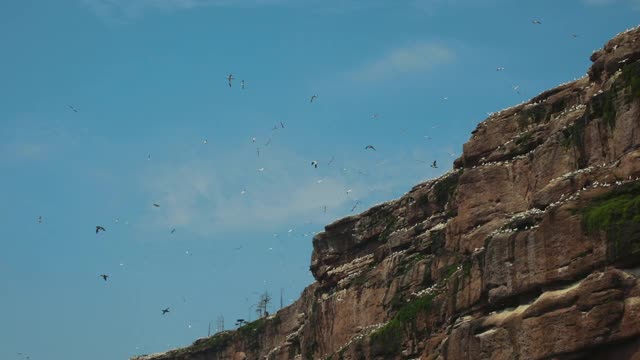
(528, 249)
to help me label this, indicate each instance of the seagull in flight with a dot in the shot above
(104, 276)
(205, 141)
(536, 22)
(313, 97)
(242, 84)
(261, 169)
(156, 205)
(574, 35)
(268, 142)
(517, 89)
(72, 108)
(314, 164)
(100, 228)
(348, 191)
(149, 157)
(253, 139)
(434, 165)
(39, 219)
(164, 311)
(355, 205)
(370, 147)
(173, 230)
(499, 68)
(374, 116)
(229, 78)
(281, 125)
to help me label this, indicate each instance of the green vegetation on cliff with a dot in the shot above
(616, 213)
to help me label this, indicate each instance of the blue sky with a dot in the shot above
(147, 78)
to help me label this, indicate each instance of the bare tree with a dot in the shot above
(263, 303)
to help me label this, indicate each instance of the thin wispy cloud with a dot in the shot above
(131, 9)
(634, 4)
(418, 58)
(206, 197)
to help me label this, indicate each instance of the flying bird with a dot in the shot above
(499, 68)
(281, 125)
(253, 139)
(355, 205)
(313, 97)
(104, 276)
(261, 169)
(72, 108)
(314, 164)
(164, 311)
(268, 142)
(100, 228)
(517, 89)
(156, 205)
(205, 141)
(149, 157)
(324, 209)
(536, 22)
(574, 35)
(374, 116)
(173, 230)
(258, 151)
(331, 161)
(348, 191)
(242, 84)
(39, 219)
(370, 147)
(229, 78)
(434, 165)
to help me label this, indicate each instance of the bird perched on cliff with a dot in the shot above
(156, 205)
(100, 228)
(536, 22)
(370, 147)
(314, 164)
(313, 97)
(434, 165)
(164, 311)
(229, 78)
(104, 276)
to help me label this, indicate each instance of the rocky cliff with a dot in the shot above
(528, 249)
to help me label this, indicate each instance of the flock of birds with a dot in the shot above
(280, 125)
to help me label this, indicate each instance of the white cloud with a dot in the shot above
(128, 9)
(205, 195)
(599, 2)
(417, 58)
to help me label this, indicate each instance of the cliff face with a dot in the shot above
(528, 249)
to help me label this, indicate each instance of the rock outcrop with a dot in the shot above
(528, 249)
